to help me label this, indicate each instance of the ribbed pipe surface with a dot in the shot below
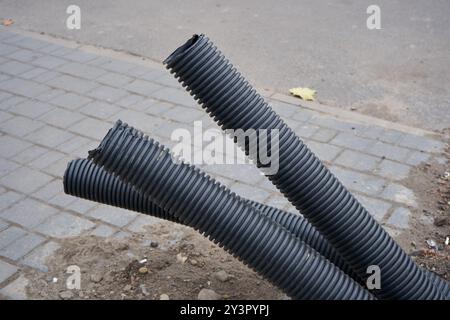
(302, 178)
(198, 201)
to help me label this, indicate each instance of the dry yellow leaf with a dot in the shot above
(7, 22)
(303, 93)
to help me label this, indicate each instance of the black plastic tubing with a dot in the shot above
(84, 179)
(232, 102)
(204, 204)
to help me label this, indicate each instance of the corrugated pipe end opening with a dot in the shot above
(182, 50)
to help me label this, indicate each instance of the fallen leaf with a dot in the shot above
(303, 93)
(7, 22)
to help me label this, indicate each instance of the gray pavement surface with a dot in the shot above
(57, 101)
(400, 72)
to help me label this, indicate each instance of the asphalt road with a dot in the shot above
(401, 72)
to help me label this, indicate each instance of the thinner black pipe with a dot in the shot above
(198, 201)
(302, 178)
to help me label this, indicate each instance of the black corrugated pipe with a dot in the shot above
(202, 203)
(84, 179)
(302, 178)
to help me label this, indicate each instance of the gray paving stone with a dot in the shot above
(80, 56)
(30, 154)
(388, 151)
(115, 216)
(107, 93)
(4, 77)
(61, 118)
(70, 101)
(81, 70)
(357, 160)
(324, 135)
(4, 96)
(50, 48)
(144, 122)
(285, 110)
(61, 200)
(49, 62)
(390, 136)
(398, 193)
(46, 159)
(16, 290)
(49, 136)
(61, 51)
(421, 143)
(158, 108)
(22, 246)
(28, 213)
(31, 43)
(158, 76)
(400, 218)
(70, 83)
(175, 96)
(325, 152)
(250, 192)
(6, 271)
(118, 66)
(359, 181)
(25, 180)
(101, 110)
(7, 167)
(81, 205)
(20, 126)
(33, 73)
(351, 141)
(91, 128)
(23, 87)
(182, 114)
(24, 55)
(130, 100)
(114, 79)
(14, 68)
(10, 146)
(277, 201)
(377, 208)
(122, 235)
(64, 225)
(49, 95)
(393, 170)
(305, 130)
(143, 87)
(47, 76)
(103, 231)
(9, 235)
(32, 108)
(3, 225)
(50, 190)
(73, 144)
(4, 116)
(417, 157)
(9, 198)
(58, 167)
(142, 222)
(38, 257)
(6, 49)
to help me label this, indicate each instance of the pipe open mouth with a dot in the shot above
(180, 51)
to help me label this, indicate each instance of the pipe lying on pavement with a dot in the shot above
(228, 98)
(202, 203)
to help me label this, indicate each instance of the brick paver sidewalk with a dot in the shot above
(56, 102)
